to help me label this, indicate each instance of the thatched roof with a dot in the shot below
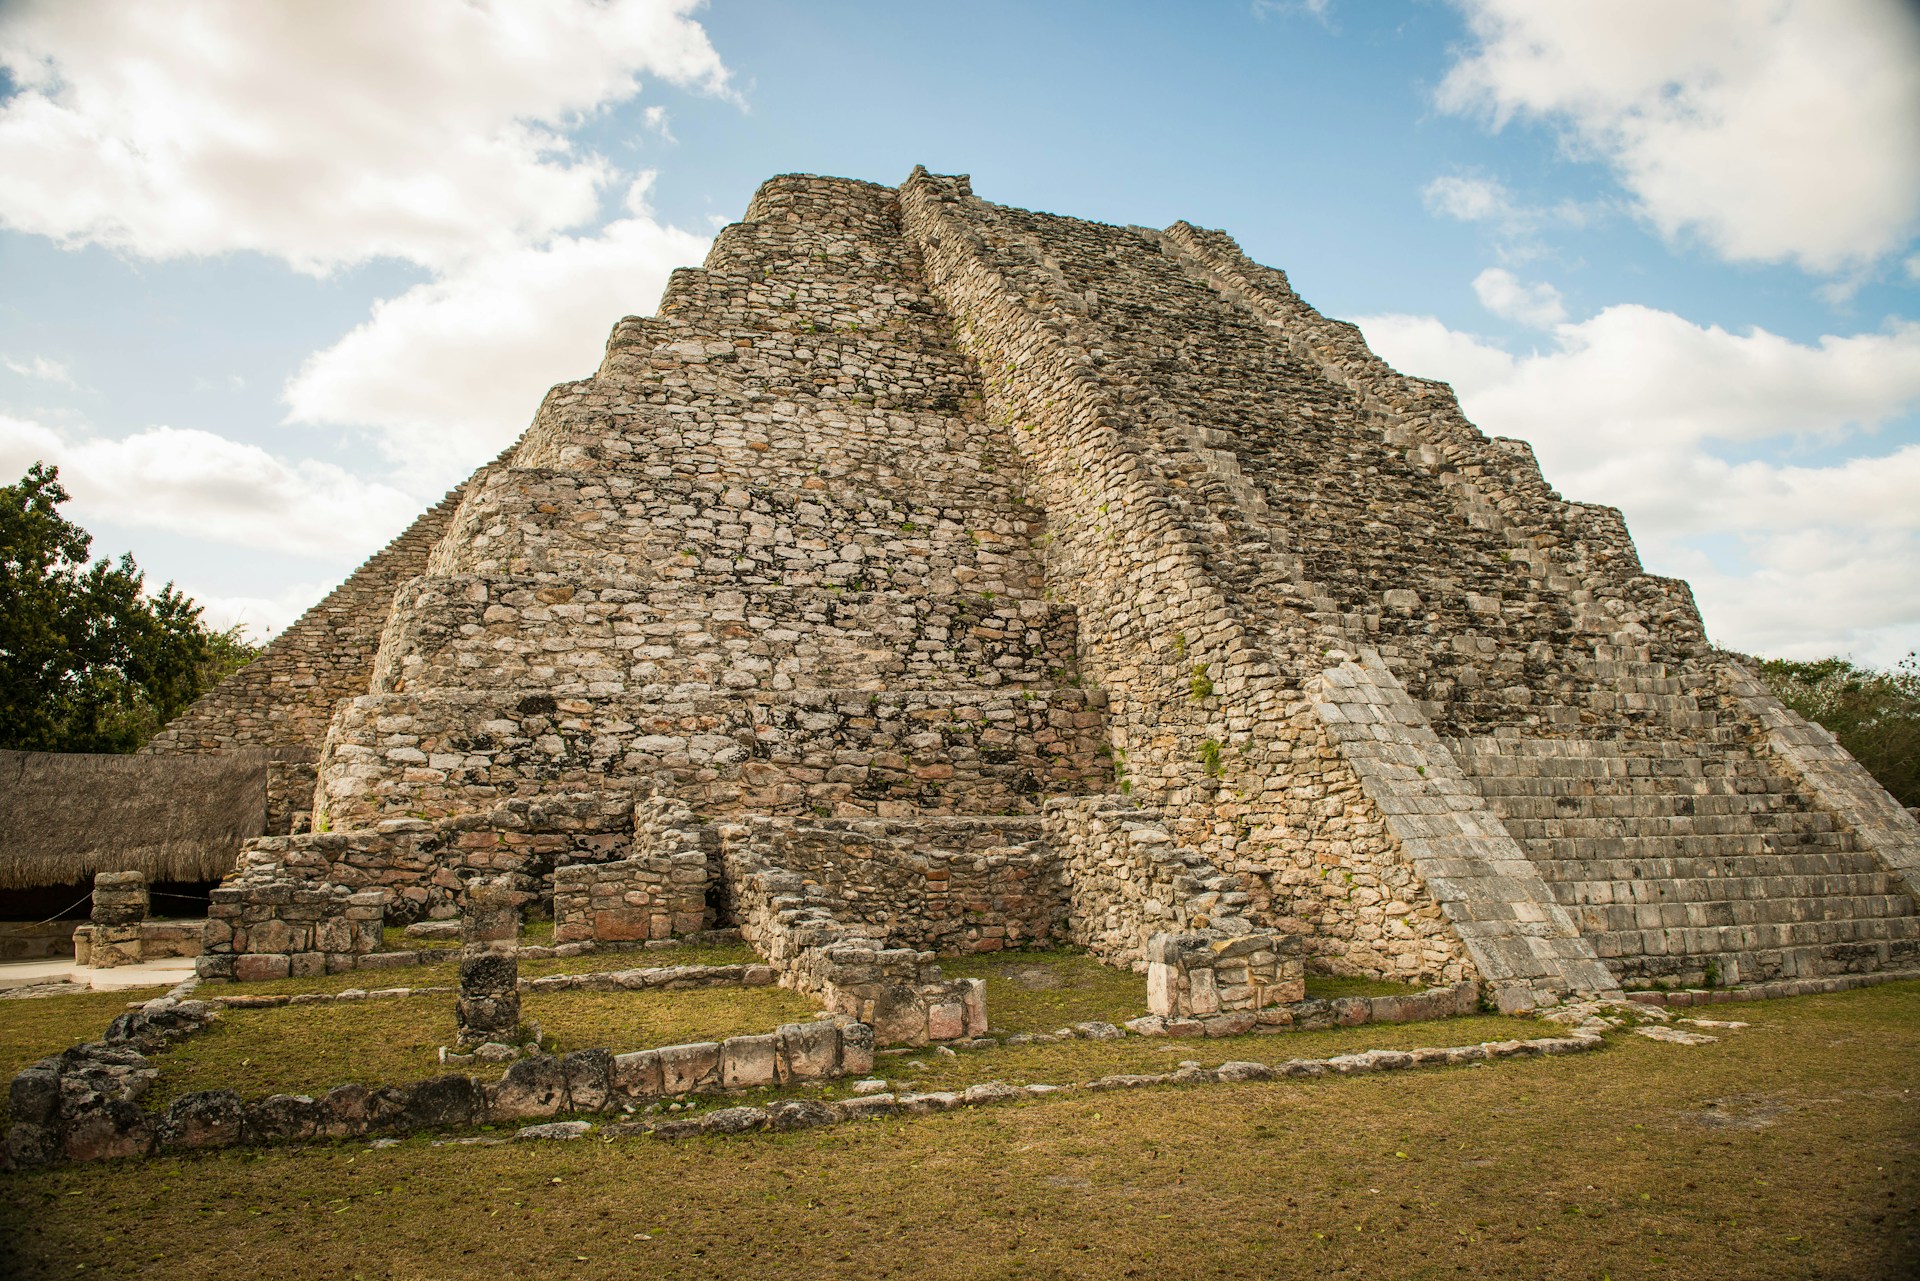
(66, 815)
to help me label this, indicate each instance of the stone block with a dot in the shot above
(257, 967)
(690, 1069)
(534, 1086)
(637, 1075)
(747, 1061)
(809, 1051)
(589, 1076)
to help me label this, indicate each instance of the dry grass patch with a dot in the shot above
(1040, 991)
(308, 1049)
(1582, 1167)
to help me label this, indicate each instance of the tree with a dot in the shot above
(1874, 714)
(89, 662)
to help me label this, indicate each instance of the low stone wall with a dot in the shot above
(84, 1104)
(948, 885)
(898, 992)
(158, 940)
(634, 898)
(1195, 975)
(657, 893)
(282, 917)
(1128, 880)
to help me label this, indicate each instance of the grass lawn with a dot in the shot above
(1788, 1149)
(308, 1049)
(447, 973)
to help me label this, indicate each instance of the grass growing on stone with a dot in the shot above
(1067, 1062)
(622, 1021)
(1329, 986)
(1040, 991)
(308, 1049)
(1788, 1149)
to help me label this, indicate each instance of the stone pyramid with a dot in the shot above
(932, 576)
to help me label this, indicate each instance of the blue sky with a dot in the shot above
(274, 277)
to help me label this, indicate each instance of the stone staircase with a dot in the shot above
(1691, 862)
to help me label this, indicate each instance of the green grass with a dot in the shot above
(1787, 1150)
(1041, 991)
(308, 1049)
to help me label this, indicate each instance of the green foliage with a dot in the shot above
(1201, 686)
(89, 661)
(1210, 757)
(1874, 714)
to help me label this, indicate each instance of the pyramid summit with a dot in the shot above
(931, 576)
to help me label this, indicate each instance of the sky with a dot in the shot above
(273, 277)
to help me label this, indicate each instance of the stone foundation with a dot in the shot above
(1196, 975)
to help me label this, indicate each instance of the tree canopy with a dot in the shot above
(1874, 714)
(89, 660)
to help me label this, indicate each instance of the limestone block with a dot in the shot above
(690, 1069)
(747, 1061)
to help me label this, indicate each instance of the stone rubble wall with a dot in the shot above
(265, 924)
(1128, 880)
(659, 892)
(946, 885)
(842, 752)
(1198, 975)
(84, 1104)
(851, 968)
(621, 636)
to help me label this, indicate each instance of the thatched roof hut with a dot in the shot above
(66, 815)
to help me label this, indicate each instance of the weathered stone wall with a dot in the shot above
(433, 755)
(657, 893)
(281, 916)
(951, 885)
(850, 967)
(1197, 975)
(1128, 880)
(618, 636)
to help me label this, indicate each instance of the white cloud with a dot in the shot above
(1691, 430)
(1469, 199)
(206, 486)
(452, 370)
(1507, 296)
(41, 368)
(1776, 129)
(323, 134)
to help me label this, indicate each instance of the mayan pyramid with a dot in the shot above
(937, 576)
